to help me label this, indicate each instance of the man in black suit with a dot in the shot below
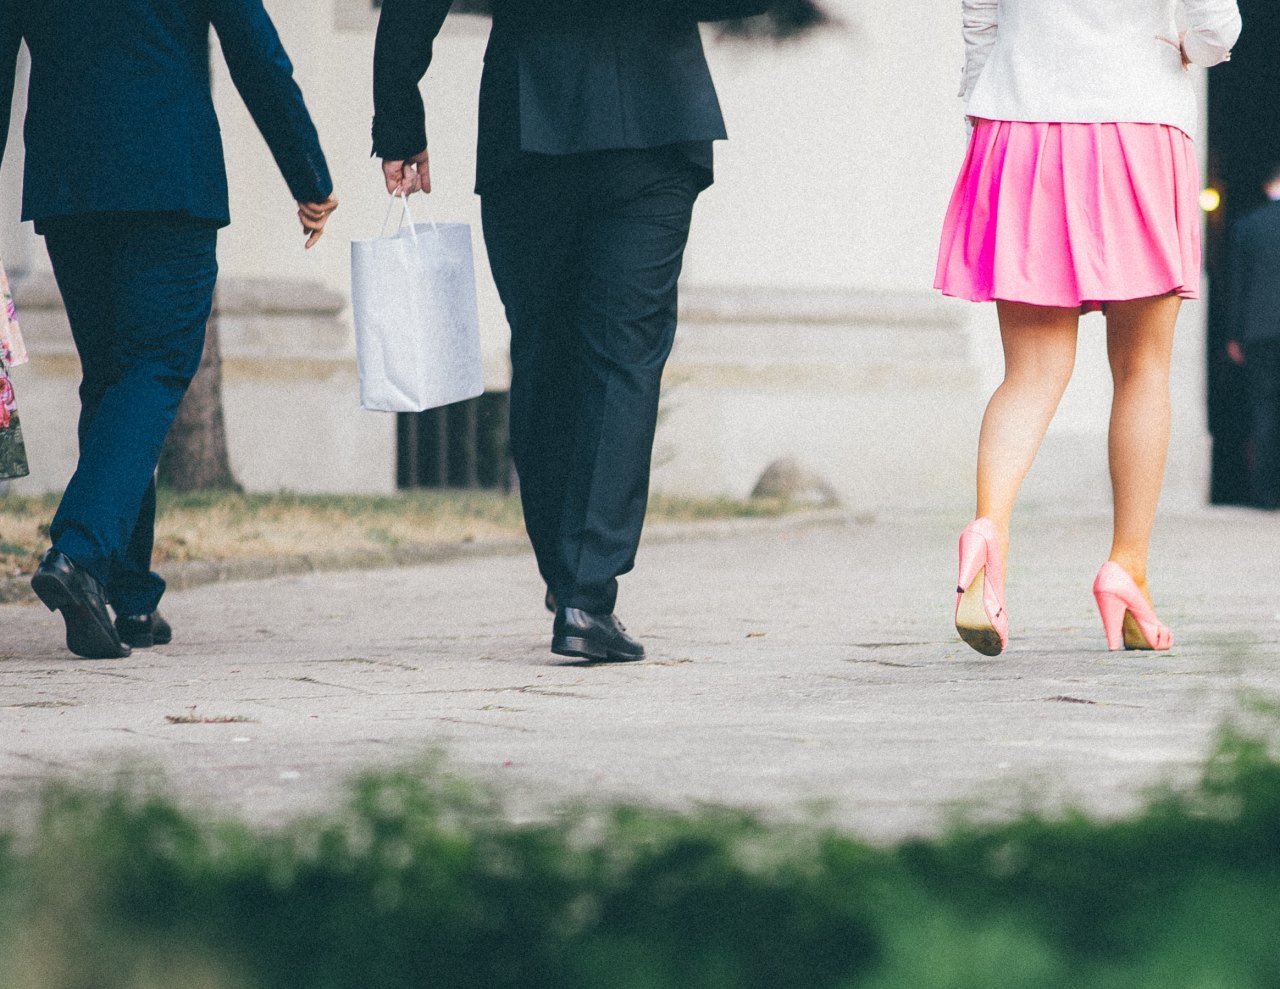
(596, 125)
(1254, 270)
(125, 179)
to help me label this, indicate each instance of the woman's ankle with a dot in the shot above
(1135, 566)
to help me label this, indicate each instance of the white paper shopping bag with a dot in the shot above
(413, 296)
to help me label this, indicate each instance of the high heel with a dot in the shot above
(980, 616)
(1127, 616)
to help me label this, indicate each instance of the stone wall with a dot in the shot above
(290, 391)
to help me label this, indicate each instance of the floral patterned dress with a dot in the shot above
(13, 456)
(12, 351)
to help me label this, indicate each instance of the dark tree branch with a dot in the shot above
(787, 19)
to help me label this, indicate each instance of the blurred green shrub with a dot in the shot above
(421, 881)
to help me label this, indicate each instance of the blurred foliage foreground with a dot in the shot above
(421, 881)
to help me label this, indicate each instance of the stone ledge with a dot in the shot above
(698, 303)
(235, 296)
(750, 304)
(276, 297)
(270, 321)
(197, 573)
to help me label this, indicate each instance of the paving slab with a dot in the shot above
(798, 668)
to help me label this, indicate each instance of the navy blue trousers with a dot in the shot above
(586, 251)
(138, 289)
(1262, 365)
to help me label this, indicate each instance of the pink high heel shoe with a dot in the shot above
(1127, 617)
(980, 616)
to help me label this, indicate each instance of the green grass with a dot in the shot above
(422, 881)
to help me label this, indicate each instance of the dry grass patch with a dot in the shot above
(229, 526)
(24, 532)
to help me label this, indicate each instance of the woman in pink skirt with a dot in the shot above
(1079, 192)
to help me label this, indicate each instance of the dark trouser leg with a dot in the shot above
(534, 243)
(633, 248)
(132, 583)
(1262, 362)
(85, 285)
(138, 299)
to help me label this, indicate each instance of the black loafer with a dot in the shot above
(65, 587)
(144, 631)
(550, 601)
(597, 637)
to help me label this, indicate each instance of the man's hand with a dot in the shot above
(409, 176)
(1235, 353)
(314, 216)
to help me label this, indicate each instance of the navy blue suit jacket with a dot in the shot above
(120, 116)
(1254, 270)
(561, 77)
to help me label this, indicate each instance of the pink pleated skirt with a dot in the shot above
(1073, 215)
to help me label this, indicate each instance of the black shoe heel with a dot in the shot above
(572, 645)
(144, 631)
(64, 587)
(52, 594)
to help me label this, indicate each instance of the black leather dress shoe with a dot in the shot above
(550, 601)
(65, 587)
(144, 631)
(599, 637)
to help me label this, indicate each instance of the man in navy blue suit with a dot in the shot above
(125, 179)
(596, 124)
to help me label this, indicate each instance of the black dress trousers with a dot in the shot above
(586, 250)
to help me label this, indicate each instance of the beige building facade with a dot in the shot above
(810, 329)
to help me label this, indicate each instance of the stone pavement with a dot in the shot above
(793, 664)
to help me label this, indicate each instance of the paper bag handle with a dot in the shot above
(406, 214)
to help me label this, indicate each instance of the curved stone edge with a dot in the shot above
(189, 574)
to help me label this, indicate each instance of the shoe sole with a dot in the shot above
(86, 636)
(972, 622)
(580, 648)
(1134, 637)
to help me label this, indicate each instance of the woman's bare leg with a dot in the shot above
(1139, 347)
(1039, 355)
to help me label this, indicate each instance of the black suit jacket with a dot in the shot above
(1254, 271)
(561, 77)
(120, 116)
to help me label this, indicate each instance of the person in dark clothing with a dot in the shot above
(596, 126)
(126, 181)
(1254, 271)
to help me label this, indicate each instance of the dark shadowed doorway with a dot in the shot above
(1244, 142)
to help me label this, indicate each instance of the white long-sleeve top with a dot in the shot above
(1091, 61)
